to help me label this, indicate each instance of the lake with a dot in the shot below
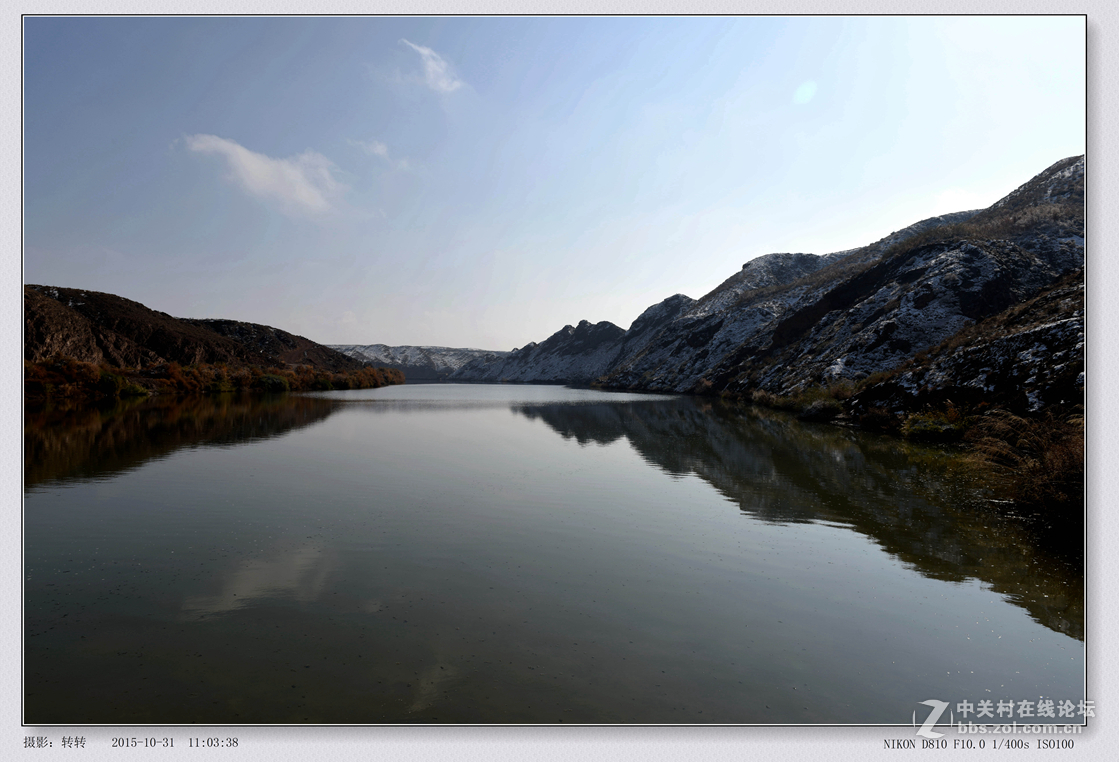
(522, 554)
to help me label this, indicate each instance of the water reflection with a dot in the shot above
(922, 505)
(67, 443)
(919, 504)
(527, 563)
(299, 574)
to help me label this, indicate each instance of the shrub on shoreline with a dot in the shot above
(66, 378)
(1041, 459)
(938, 426)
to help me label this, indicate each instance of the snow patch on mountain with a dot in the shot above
(418, 362)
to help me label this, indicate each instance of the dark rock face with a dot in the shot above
(787, 321)
(273, 342)
(1025, 359)
(103, 328)
(52, 328)
(820, 411)
(881, 317)
(96, 327)
(1038, 203)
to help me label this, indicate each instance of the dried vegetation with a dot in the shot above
(66, 378)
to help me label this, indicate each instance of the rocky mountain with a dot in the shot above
(579, 354)
(418, 363)
(788, 321)
(91, 326)
(285, 347)
(1026, 358)
(576, 354)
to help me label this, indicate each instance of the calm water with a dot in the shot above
(520, 554)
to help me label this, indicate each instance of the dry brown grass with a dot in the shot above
(61, 378)
(1042, 459)
(800, 401)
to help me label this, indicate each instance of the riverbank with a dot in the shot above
(64, 378)
(1039, 457)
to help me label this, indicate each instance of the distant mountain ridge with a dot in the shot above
(788, 321)
(564, 358)
(418, 363)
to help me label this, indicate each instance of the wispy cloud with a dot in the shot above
(377, 148)
(303, 184)
(372, 147)
(437, 72)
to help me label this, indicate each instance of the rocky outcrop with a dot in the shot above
(95, 327)
(885, 315)
(1025, 359)
(54, 328)
(284, 347)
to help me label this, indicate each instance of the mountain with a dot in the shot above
(573, 355)
(1025, 359)
(579, 354)
(786, 322)
(286, 348)
(418, 363)
(94, 327)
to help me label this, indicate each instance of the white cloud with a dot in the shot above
(372, 147)
(303, 184)
(377, 148)
(437, 72)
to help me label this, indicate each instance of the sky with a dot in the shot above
(481, 182)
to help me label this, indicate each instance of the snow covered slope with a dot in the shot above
(417, 363)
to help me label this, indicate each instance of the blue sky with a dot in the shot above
(482, 182)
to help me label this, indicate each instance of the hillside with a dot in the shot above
(284, 347)
(787, 322)
(82, 346)
(1024, 359)
(93, 327)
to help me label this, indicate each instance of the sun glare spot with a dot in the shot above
(804, 93)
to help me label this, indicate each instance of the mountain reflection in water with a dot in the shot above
(919, 504)
(922, 505)
(80, 442)
(438, 553)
